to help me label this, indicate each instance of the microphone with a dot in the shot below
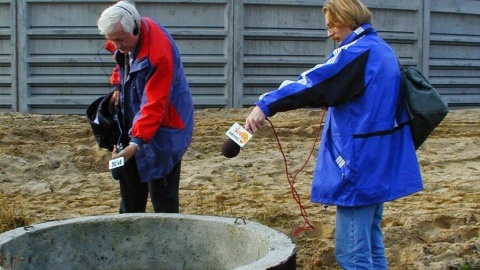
(238, 137)
(230, 148)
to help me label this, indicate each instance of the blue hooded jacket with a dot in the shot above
(366, 154)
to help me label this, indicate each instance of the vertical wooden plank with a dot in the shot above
(425, 39)
(21, 56)
(13, 53)
(237, 59)
(231, 87)
(7, 58)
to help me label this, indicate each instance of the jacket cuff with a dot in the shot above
(137, 141)
(263, 107)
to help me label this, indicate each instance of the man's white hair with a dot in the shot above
(122, 12)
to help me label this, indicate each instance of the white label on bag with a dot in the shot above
(238, 134)
(115, 163)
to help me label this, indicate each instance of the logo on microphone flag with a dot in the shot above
(238, 134)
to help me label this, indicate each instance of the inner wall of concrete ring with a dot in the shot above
(147, 241)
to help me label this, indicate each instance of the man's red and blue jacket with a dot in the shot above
(156, 103)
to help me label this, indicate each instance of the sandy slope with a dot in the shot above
(51, 168)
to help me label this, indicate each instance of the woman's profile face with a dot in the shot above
(335, 31)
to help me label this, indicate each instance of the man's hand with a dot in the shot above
(255, 120)
(126, 153)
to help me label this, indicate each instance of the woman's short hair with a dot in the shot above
(122, 12)
(351, 13)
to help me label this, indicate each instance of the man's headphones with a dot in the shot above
(135, 29)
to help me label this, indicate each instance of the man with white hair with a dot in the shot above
(156, 112)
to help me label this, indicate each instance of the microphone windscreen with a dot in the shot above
(230, 148)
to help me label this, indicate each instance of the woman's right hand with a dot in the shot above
(255, 120)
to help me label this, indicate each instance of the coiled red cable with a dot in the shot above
(291, 181)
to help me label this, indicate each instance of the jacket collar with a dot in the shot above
(359, 32)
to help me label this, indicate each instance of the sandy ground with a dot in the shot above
(51, 168)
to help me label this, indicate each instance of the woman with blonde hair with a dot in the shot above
(366, 155)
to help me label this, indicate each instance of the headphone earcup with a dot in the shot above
(135, 30)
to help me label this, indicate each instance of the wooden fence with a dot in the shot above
(52, 59)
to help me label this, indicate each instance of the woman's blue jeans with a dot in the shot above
(359, 239)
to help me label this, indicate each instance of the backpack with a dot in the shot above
(425, 106)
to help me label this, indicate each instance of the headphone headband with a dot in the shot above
(135, 30)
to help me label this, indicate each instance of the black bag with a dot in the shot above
(104, 125)
(425, 106)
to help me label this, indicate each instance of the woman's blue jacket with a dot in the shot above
(366, 154)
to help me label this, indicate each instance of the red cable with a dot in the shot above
(291, 181)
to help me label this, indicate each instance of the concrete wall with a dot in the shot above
(52, 58)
